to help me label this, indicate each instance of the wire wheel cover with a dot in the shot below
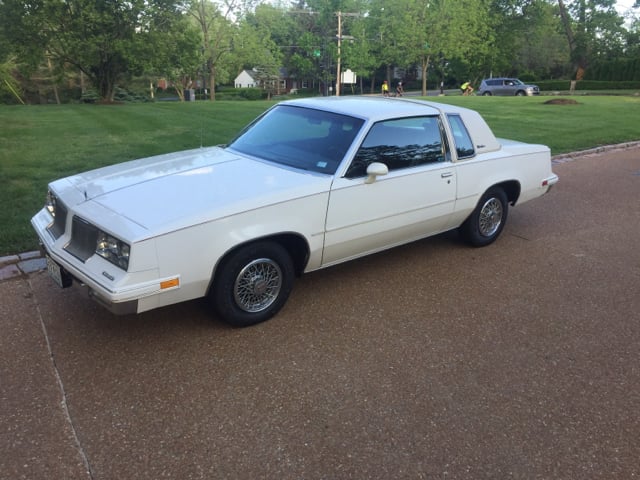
(490, 217)
(257, 285)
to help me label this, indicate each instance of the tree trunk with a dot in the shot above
(425, 69)
(53, 81)
(579, 58)
(212, 84)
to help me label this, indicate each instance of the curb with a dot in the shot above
(568, 157)
(13, 266)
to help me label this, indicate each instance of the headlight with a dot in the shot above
(50, 203)
(113, 250)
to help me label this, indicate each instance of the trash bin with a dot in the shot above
(189, 95)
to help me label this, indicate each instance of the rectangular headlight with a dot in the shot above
(112, 249)
(50, 203)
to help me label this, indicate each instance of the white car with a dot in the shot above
(309, 184)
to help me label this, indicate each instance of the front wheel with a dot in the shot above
(487, 220)
(252, 284)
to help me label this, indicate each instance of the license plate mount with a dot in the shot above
(58, 274)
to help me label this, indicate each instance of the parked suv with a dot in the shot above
(507, 86)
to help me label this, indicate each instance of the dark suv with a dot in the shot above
(507, 86)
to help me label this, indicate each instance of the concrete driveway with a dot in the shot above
(434, 360)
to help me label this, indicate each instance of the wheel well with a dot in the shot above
(293, 243)
(512, 189)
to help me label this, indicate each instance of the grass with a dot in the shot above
(41, 143)
(593, 121)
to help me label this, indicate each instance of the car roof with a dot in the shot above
(375, 108)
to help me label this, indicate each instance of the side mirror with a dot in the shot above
(374, 169)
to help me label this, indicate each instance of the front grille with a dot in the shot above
(56, 229)
(83, 239)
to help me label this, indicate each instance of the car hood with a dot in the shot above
(176, 190)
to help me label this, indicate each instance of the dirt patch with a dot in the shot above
(561, 101)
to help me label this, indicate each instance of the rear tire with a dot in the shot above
(487, 220)
(252, 284)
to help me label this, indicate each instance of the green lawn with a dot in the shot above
(41, 143)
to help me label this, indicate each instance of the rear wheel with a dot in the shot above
(486, 94)
(487, 220)
(252, 284)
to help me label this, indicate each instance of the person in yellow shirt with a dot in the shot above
(466, 88)
(385, 89)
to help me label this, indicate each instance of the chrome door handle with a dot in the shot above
(446, 175)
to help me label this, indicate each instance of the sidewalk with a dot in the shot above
(13, 266)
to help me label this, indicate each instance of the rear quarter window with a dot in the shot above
(463, 143)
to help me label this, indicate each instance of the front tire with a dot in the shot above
(252, 284)
(487, 220)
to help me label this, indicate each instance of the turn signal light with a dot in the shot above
(174, 282)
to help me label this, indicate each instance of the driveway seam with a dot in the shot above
(63, 403)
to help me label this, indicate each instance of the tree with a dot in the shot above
(591, 27)
(108, 40)
(529, 40)
(177, 53)
(423, 30)
(215, 21)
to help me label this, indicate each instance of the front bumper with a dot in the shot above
(64, 278)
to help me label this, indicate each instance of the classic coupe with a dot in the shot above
(309, 184)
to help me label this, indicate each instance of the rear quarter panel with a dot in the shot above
(526, 164)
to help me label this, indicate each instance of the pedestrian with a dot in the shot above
(385, 89)
(399, 90)
(466, 88)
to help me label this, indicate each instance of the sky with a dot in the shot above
(623, 5)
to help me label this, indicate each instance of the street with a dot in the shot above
(429, 361)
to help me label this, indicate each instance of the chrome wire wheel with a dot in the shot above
(490, 217)
(257, 285)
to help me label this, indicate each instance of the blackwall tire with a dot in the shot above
(487, 220)
(252, 284)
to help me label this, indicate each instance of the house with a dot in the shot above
(284, 84)
(245, 79)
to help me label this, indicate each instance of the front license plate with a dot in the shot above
(55, 272)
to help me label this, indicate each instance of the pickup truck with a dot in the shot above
(309, 184)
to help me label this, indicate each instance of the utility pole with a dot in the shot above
(338, 62)
(338, 68)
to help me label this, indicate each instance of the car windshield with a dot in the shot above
(299, 137)
(517, 82)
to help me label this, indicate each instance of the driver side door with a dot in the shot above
(414, 200)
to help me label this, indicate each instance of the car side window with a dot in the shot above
(464, 145)
(401, 143)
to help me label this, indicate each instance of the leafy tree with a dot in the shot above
(591, 27)
(528, 40)
(215, 19)
(177, 53)
(107, 40)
